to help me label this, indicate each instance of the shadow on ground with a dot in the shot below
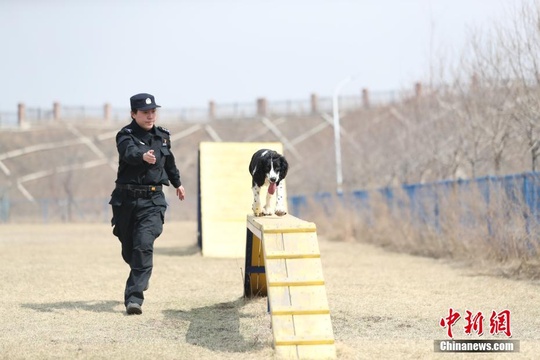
(93, 306)
(216, 327)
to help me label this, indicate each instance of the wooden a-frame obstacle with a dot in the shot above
(282, 253)
(283, 262)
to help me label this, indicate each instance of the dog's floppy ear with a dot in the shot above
(259, 176)
(283, 167)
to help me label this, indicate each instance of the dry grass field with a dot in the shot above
(62, 291)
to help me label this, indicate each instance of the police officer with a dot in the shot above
(146, 164)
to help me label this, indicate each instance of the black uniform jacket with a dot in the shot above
(132, 142)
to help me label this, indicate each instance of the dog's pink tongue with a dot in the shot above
(272, 188)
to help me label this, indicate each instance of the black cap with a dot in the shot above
(143, 102)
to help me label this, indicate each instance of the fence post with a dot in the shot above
(21, 115)
(365, 98)
(211, 109)
(56, 111)
(314, 103)
(261, 106)
(475, 83)
(418, 90)
(107, 112)
(4, 206)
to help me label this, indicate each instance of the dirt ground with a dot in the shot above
(62, 298)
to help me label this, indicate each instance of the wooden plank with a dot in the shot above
(294, 271)
(301, 243)
(290, 229)
(309, 269)
(257, 283)
(257, 280)
(315, 296)
(257, 256)
(279, 298)
(282, 326)
(275, 270)
(254, 230)
(298, 300)
(273, 242)
(287, 352)
(312, 352)
(303, 330)
(313, 326)
(301, 312)
(281, 224)
(224, 205)
(291, 246)
(292, 340)
(304, 340)
(254, 226)
(316, 351)
(305, 352)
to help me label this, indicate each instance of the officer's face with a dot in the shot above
(145, 118)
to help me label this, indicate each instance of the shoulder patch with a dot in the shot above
(127, 130)
(164, 130)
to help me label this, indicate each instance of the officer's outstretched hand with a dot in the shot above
(180, 192)
(149, 157)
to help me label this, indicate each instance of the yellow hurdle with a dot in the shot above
(283, 262)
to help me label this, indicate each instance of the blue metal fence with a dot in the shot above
(499, 203)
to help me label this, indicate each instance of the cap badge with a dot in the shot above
(148, 101)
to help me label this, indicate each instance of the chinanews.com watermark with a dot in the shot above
(492, 346)
(499, 325)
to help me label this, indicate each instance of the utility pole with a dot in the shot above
(337, 133)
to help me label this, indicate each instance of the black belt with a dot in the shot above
(139, 187)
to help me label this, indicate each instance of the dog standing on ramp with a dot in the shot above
(268, 168)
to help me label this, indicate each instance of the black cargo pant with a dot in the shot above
(138, 220)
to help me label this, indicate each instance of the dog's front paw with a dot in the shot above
(280, 212)
(257, 211)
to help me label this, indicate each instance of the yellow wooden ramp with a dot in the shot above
(225, 195)
(284, 262)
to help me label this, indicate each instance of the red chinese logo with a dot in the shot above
(449, 321)
(499, 323)
(474, 323)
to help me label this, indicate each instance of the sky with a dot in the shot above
(186, 53)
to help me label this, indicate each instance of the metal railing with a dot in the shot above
(215, 111)
(497, 204)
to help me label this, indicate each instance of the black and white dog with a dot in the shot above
(268, 168)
